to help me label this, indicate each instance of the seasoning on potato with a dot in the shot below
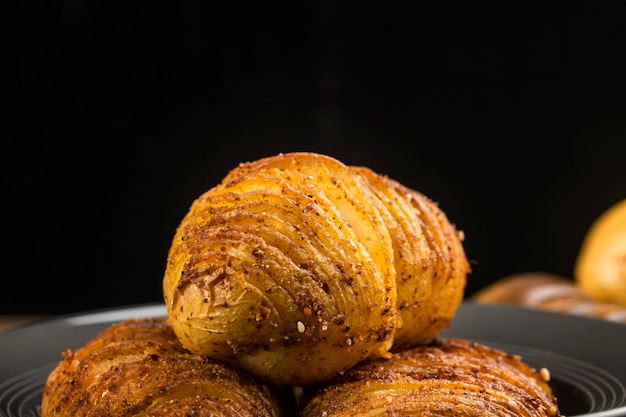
(296, 267)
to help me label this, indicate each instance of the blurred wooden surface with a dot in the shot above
(11, 321)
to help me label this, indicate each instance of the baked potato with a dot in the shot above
(296, 267)
(548, 291)
(453, 377)
(138, 367)
(600, 267)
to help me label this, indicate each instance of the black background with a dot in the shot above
(512, 117)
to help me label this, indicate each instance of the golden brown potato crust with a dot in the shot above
(550, 292)
(431, 266)
(446, 378)
(139, 368)
(296, 267)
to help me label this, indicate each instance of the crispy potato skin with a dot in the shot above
(452, 377)
(431, 266)
(138, 367)
(297, 267)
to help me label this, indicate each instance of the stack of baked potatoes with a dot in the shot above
(302, 286)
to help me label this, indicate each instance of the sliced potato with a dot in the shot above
(292, 266)
(431, 267)
(286, 271)
(451, 377)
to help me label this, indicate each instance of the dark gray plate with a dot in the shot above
(586, 357)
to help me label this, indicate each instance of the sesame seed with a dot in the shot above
(301, 327)
(513, 405)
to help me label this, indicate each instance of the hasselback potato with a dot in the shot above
(430, 262)
(551, 292)
(138, 367)
(452, 377)
(297, 267)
